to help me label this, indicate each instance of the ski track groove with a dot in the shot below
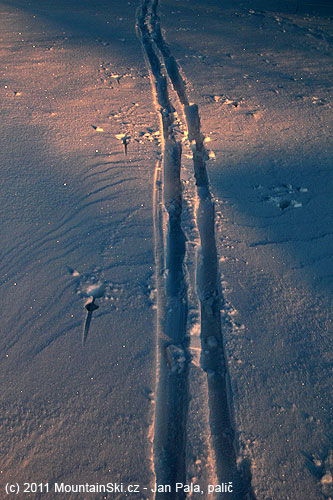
(167, 468)
(171, 372)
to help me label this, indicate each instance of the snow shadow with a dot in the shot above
(283, 208)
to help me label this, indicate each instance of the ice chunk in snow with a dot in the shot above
(98, 129)
(176, 358)
(212, 342)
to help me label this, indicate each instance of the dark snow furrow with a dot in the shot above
(290, 240)
(113, 165)
(63, 223)
(35, 256)
(31, 252)
(172, 353)
(105, 179)
(221, 428)
(314, 261)
(107, 186)
(43, 316)
(47, 238)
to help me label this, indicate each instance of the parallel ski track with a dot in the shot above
(172, 352)
(171, 397)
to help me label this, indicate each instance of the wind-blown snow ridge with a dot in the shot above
(221, 428)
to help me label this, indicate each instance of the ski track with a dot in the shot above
(172, 353)
(172, 344)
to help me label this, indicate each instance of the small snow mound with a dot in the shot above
(296, 204)
(97, 290)
(195, 329)
(327, 478)
(73, 272)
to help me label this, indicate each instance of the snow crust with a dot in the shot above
(76, 218)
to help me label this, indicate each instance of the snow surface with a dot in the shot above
(77, 221)
(261, 76)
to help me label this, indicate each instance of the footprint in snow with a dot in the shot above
(150, 136)
(223, 99)
(284, 196)
(103, 42)
(321, 467)
(317, 101)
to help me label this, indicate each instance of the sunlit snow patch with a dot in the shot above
(97, 290)
(98, 129)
